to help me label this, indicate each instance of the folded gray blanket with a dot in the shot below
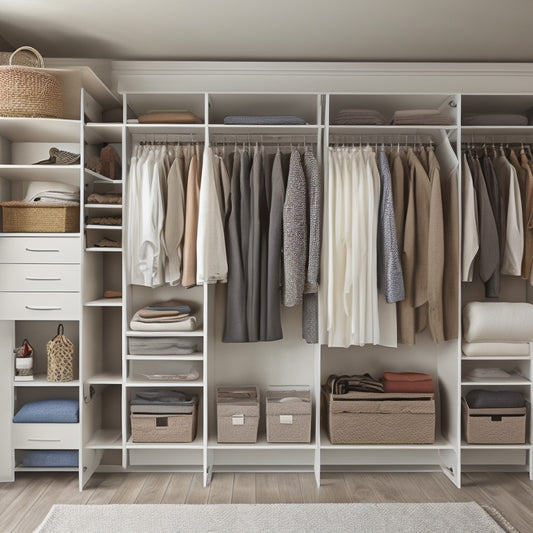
(493, 399)
(161, 346)
(163, 397)
(272, 120)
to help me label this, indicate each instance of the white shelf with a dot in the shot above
(104, 302)
(196, 444)
(466, 446)
(46, 469)
(104, 206)
(511, 380)
(105, 378)
(99, 178)
(100, 132)
(40, 380)
(105, 439)
(196, 333)
(258, 129)
(102, 249)
(496, 357)
(103, 227)
(190, 357)
(65, 173)
(39, 234)
(440, 444)
(133, 382)
(261, 444)
(53, 130)
(196, 130)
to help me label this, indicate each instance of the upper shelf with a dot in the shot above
(65, 173)
(18, 129)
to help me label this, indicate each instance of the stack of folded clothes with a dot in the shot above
(164, 316)
(497, 329)
(494, 399)
(495, 119)
(162, 346)
(107, 198)
(106, 221)
(162, 402)
(51, 192)
(480, 374)
(407, 382)
(421, 117)
(264, 120)
(359, 116)
(358, 382)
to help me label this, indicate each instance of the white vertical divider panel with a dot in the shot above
(208, 345)
(125, 292)
(7, 454)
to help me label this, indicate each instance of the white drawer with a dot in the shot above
(46, 436)
(40, 249)
(40, 306)
(33, 278)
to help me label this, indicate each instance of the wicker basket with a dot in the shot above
(24, 217)
(25, 56)
(29, 91)
(60, 357)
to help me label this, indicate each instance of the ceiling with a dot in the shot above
(274, 30)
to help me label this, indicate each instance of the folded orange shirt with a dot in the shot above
(407, 382)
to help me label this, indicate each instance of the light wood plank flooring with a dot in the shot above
(24, 503)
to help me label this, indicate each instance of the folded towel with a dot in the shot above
(487, 373)
(188, 324)
(359, 116)
(495, 119)
(273, 120)
(171, 305)
(421, 117)
(498, 321)
(407, 382)
(51, 190)
(486, 399)
(108, 198)
(161, 346)
(496, 348)
(57, 411)
(50, 458)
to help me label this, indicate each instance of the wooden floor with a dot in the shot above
(24, 503)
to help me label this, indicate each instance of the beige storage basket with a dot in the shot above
(237, 414)
(60, 352)
(25, 217)
(494, 426)
(28, 91)
(164, 427)
(288, 414)
(380, 418)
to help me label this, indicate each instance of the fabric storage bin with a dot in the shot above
(237, 414)
(380, 418)
(164, 427)
(24, 217)
(288, 412)
(503, 425)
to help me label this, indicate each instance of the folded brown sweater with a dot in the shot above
(407, 382)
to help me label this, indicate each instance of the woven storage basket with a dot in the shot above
(380, 417)
(163, 427)
(288, 414)
(24, 56)
(237, 414)
(60, 357)
(28, 91)
(25, 217)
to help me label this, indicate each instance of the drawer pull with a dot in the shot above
(44, 440)
(42, 279)
(42, 308)
(41, 250)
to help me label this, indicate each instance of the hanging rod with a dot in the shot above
(402, 139)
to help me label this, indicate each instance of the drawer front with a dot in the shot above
(36, 278)
(46, 436)
(40, 250)
(40, 306)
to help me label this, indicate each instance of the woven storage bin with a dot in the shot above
(288, 413)
(494, 426)
(380, 418)
(237, 414)
(24, 217)
(28, 91)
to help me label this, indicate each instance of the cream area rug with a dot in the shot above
(279, 518)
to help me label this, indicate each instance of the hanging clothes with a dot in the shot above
(470, 241)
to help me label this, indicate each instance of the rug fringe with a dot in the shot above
(500, 519)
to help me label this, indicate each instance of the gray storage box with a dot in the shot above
(237, 414)
(380, 418)
(494, 426)
(288, 412)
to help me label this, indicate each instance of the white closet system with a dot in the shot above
(109, 375)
